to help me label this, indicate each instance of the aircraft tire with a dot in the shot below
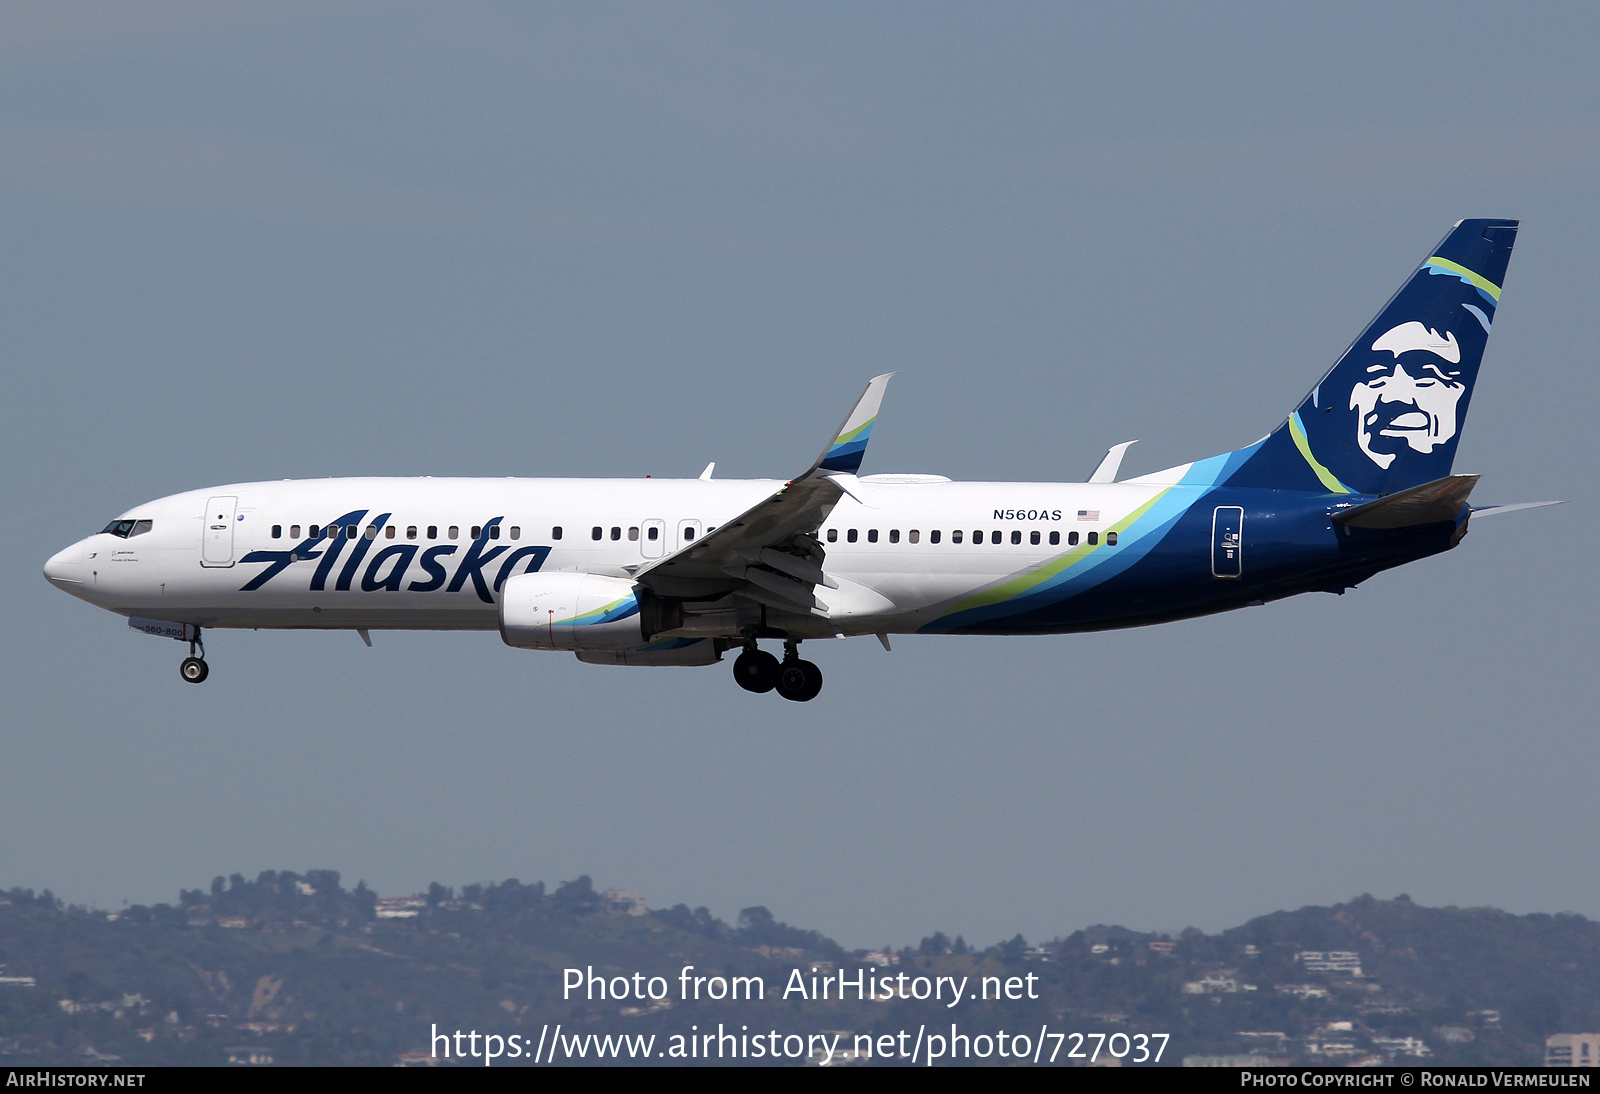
(799, 681)
(756, 670)
(194, 670)
(813, 681)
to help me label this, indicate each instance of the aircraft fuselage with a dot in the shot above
(434, 553)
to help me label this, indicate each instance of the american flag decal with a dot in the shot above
(1088, 514)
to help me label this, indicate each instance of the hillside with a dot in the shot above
(296, 969)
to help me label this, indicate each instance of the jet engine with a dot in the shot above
(561, 610)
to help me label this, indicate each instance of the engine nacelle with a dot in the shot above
(570, 611)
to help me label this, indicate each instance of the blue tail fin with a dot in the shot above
(1389, 414)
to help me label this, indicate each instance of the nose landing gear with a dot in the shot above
(194, 668)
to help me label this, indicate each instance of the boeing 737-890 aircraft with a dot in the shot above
(1356, 480)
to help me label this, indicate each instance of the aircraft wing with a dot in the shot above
(769, 553)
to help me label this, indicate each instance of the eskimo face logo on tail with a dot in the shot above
(1409, 400)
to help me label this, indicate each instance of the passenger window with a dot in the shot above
(894, 535)
(872, 535)
(333, 531)
(314, 532)
(1094, 538)
(555, 533)
(654, 533)
(433, 531)
(596, 532)
(1111, 539)
(1033, 538)
(494, 531)
(277, 531)
(516, 531)
(294, 531)
(833, 535)
(996, 536)
(1072, 539)
(411, 531)
(455, 530)
(372, 531)
(633, 534)
(913, 535)
(1016, 538)
(850, 535)
(977, 537)
(477, 530)
(1055, 538)
(955, 537)
(616, 533)
(388, 532)
(351, 531)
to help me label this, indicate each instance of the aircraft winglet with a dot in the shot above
(770, 549)
(1107, 471)
(850, 446)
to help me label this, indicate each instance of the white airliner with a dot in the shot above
(676, 572)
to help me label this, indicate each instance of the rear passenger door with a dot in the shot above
(1227, 541)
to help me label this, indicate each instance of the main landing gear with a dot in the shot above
(194, 668)
(758, 671)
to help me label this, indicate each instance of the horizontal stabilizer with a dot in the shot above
(1430, 503)
(1107, 471)
(1496, 510)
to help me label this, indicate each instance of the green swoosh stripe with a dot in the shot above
(1297, 430)
(1466, 275)
(1020, 585)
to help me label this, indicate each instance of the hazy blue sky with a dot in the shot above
(256, 241)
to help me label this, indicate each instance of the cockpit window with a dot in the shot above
(140, 527)
(125, 529)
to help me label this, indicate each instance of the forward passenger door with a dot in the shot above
(216, 537)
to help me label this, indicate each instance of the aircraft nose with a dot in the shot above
(66, 569)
